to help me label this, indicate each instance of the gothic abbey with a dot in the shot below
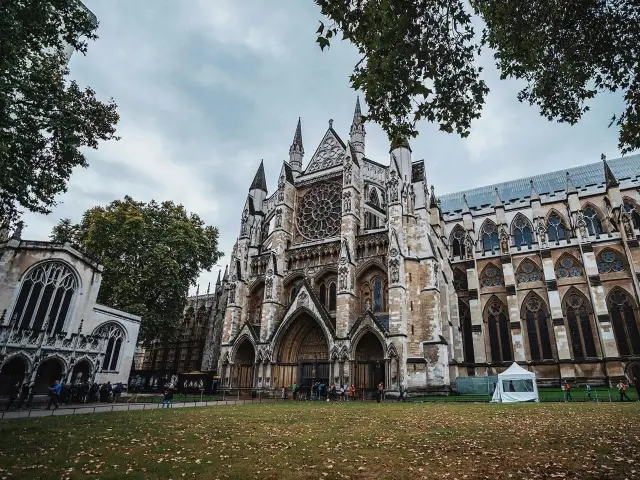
(353, 271)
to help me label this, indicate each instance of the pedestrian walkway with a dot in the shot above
(114, 407)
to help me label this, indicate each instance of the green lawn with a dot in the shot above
(337, 440)
(601, 394)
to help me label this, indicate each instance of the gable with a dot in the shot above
(330, 153)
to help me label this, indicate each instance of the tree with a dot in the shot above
(151, 252)
(419, 58)
(45, 119)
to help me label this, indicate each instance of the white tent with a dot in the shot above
(516, 384)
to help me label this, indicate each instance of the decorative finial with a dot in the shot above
(331, 123)
(80, 326)
(603, 156)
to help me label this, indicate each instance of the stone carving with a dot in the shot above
(436, 276)
(581, 223)
(281, 185)
(319, 211)
(329, 154)
(367, 304)
(394, 269)
(504, 241)
(347, 173)
(343, 277)
(627, 225)
(243, 225)
(541, 230)
(232, 294)
(412, 199)
(268, 288)
(469, 246)
(392, 186)
(279, 218)
(303, 299)
(347, 201)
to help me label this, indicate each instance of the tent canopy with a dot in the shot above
(516, 384)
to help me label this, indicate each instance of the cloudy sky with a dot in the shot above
(208, 88)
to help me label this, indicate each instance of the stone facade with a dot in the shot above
(354, 271)
(51, 327)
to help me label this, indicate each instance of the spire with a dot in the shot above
(465, 205)
(218, 280)
(296, 151)
(498, 202)
(610, 179)
(357, 115)
(208, 288)
(259, 181)
(570, 186)
(357, 129)
(400, 143)
(433, 203)
(534, 193)
(225, 278)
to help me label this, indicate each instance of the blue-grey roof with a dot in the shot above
(582, 176)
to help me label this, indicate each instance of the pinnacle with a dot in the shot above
(259, 181)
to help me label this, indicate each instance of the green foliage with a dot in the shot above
(64, 231)
(45, 119)
(151, 252)
(419, 58)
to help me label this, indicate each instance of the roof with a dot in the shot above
(515, 371)
(583, 176)
(259, 181)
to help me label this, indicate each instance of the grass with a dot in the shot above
(547, 394)
(338, 440)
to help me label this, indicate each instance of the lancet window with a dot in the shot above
(634, 211)
(521, 231)
(115, 337)
(467, 333)
(625, 322)
(457, 241)
(499, 331)
(594, 225)
(489, 236)
(536, 318)
(577, 312)
(556, 230)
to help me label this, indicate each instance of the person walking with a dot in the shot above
(352, 392)
(294, 389)
(117, 392)
(589, 393)
(622, 390)
(24, 395)
(567, 392)
(401, 398)
(168, 396)
(54, 395)
(380, 391)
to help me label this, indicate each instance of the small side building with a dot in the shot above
(51, 327)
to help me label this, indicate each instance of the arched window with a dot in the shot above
(568, 267)
(489, 236)
(534, 314)
(634, 211)
(528, 272)
(577, 312)
(323, 294)
(555, 228)
(45, 298)
(115, 337)
(610, 261)
(255, 306)
(594, 225)
(499, 332)
(377, 295)
(294, 292)
(332, 297)
(521, 231)
(456, 241)
(460, 282)
(491, 276)
(373, 197)
(624, 322)
(467, 333)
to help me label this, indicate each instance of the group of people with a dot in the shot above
(333, 392)
(621, 386)
(64, 394)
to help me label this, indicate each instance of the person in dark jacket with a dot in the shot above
(54, 395)
(13, 394)
(24, 395)
(168, 397)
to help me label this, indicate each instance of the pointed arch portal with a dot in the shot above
(369, 362)
(244, 365)
(303, 355)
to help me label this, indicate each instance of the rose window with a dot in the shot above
(319, 212)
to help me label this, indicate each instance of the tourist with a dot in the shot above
(13, 394)
(380, 391)
(512, 387)
(637, 384)
(589, 393)
(168, 396)
(117, 392)
(352, 392)
(567, 392)
(283, 396)
(54, 395)
(622, 390)
(402, 394)
(314, 391)
(294, 389)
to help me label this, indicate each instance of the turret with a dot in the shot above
(401, 151)
(612, 185)
(296, 151)
(572, 195)
(357, 131)
(258, 188)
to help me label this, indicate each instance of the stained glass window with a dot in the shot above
(610, 261)
(578, 315)
(568, 267)
(115, 336)
(624, 322)
(634, 211)
(377, 295)
(555, 229)
(460, 282)
(467, 334)
(456, 240)
(528, 272)
(45, 298)
(490, 240)
(594, 225)
(522, 235)
(332, 297)
(491, 277)
(319, 211)
(536, 319)
(499, 332)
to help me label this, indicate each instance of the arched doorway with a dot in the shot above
(81, 372)
(244, 365)
(633, 372)
(48, 372)
(369, 362)
(15, 370)
(303, 355)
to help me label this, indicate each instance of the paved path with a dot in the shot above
(118, 407)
